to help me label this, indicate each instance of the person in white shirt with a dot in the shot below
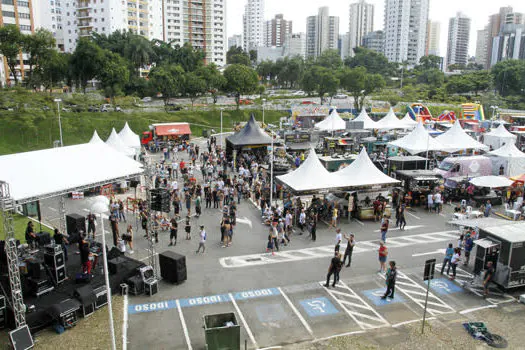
(202, 240)
(430, 202)
(338, 239)
(302, 220)
(438, 202)
(456, 258)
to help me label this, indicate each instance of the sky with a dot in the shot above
(440, 10)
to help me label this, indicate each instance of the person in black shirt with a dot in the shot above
(487, 278)
(61, 240)
(92, 220)
(83, 246)
(30, 234)
(391, 275)
(335, 266)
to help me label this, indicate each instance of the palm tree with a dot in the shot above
(139, 52)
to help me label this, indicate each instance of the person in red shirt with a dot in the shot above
(383, 253)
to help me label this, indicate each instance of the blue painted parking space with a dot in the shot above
(374, 295)
(444, 286)
(318, 307)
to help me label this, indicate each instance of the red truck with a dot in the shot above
(166, 132)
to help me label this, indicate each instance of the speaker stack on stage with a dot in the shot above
(86, 296)
(65, 313)
(74, 224)
(172, 267)
(101, 294)
(55, 260)
(160, 200)
(151, 285)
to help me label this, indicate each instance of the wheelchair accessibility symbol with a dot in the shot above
(318, 307)
(444, 286)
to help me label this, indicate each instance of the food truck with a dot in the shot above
(504, 245)
(418, 183)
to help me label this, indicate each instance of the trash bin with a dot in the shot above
(204, 132)
(222, 332)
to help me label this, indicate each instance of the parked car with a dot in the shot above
(340, 96)
(147, 99)
(299, 93)
(93, 109)
(118, 109)
(245, 101)
(105, 107)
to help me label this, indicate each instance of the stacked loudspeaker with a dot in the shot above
(54, 258)
(75, 223)
(160, 200)
(173, 267)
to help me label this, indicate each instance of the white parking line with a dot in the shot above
(411, 321)
(359, 222)
(337, 336)
(297, 313)
(52, 209)
(409, 213)
(477, 309)
(184, 327)
(241, 316)
(125, 324)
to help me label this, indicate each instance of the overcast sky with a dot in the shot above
(440, 10)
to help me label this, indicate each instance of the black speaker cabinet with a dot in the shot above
(43, 238)
(101, 294)
(54, 260)
(65, 312)
(60, 273)
(85, 294)
(136, 285)
(75, 223)
(21, 338)
(172, 267)
(115, 264)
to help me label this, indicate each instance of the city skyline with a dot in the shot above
(297, 11)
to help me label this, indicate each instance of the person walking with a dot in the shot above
(430, 202)
(274, 233)
(338, 239)
(313, 229)
(333, 270)
(187, 228)
(401, 221)
(350, 243)
(488, 209)
(449, 252)
(128, 238)
(202, 241)
(121, 214)
(334, 217)
(198, 206)
(384, 227)
(302, 221)
(173, 231)
(383, 254)
(92, 224)
(438, 202)
(456, 258)
(469, 244)
(391, 275)
(487, 278)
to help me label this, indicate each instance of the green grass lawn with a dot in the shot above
(20, 227)
(37, 129)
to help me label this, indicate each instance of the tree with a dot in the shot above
(11, 43)
(475, 82)
(240, 80)
(139, 52)
(330, 59)
(168, 80)
(360, 84)
(54, 69)
(509, 77)
(321, 80)
(86, 61)
(194, 86)
(292, 71)
(113, 74)
(236, 55)
(372, 61)
(428, 62)
(267, 69)
(188, 57)
(253, 56)
(39, 47)
(213, 79)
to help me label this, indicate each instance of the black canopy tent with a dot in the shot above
(251, 136)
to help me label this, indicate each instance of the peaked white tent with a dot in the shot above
(309, 176)
(456, 139)
(368, 122)
(95, 138)
(418, 140)
(116, 143)
(498, 137)
(332, 122)
(390, 121)
(361, 172)
(510, 157)
(408, 121)
(129, 138)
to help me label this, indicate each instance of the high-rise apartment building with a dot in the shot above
(458, 39)
(202, 23)
(361, 23)
(322, 33)
(276, 30)
(493, 29)
(481, 46)
(433, 37)
(253, 25)
(375, 41)
(295, 45)
(235, 41)
(405, 30)
(509, 44)
(21, 14)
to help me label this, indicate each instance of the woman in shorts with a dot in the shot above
(128, 238)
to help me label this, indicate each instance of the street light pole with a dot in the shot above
(271, 175)
(57, 100)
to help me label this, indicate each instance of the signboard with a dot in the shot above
(297, 138)
(430, 267)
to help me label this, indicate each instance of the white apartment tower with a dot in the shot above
(406, 30)
(276, 30)
(361, 23)
(322, 33)
(295, 45)
(433, 37)
(481, 46)
(458, 39)
(253, 25)
(202, 23)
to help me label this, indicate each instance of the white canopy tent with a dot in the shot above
(116, 143)
(418, 140)
(129, 138)
(367, 121)
(491, 181)
(332, 122)
(510, 157)
(309, 176)
(58, 171)
(360, 173)
(408, 121)
(390, 121)
(498, 137)
(95, 138)
(456, 139)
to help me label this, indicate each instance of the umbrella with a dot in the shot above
(491, 181)
(519, 178)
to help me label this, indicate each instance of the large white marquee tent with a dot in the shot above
(456, 139)
(418, 141)
(129, 138)
(332, 122)
(116, 142)
(498, 137)
(368, 123)
(390, 121)
(510, 157)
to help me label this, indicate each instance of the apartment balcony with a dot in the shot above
(84, 5)
(85, 32)
(83, 15)
(84, 25)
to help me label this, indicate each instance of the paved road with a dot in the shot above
(280, 299)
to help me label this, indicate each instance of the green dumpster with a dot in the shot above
(222, 332)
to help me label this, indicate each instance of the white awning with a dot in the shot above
(456, 139)
(56, 171)
(311, 175)
(390, 121)
(408, 121)
(115, 142)
(332, 122)
(418, 140)
(129, 138)
(491, 181)
(368, 123)
(510, 157)
(95, 138)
